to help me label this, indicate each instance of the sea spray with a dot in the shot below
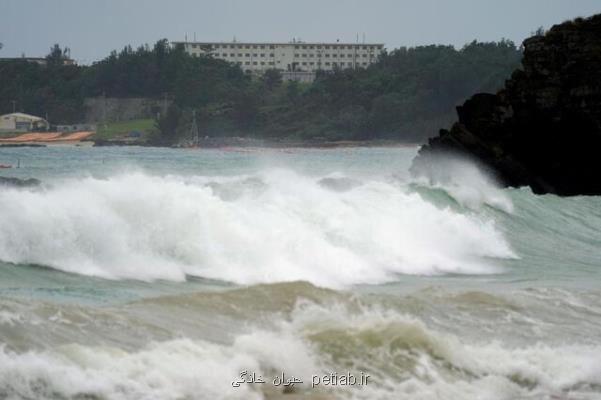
(403, 356)
(284, 226)
(468, 183)
(529, 332)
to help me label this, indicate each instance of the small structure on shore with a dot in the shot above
(20, 122)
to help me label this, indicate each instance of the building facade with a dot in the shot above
(19, 122)
(296, 60)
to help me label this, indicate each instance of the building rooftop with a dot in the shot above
(281, 43)
(22, 115)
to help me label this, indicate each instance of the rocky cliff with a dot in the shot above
(543, 129)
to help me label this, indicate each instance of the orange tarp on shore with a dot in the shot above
(32, 137)
(48, 137)
(73, 137)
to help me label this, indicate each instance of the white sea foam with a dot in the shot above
(470, 185)
(10, 318)
(404, 357)
(281, 227)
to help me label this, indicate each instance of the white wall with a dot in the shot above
(310, 57)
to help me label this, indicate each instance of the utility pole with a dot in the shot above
(194, 130)
(104, 109)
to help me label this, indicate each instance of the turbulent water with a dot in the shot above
(138, 273)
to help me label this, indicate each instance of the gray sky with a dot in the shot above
(92, 28)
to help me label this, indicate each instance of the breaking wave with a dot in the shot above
(404, 358)
(273, 227)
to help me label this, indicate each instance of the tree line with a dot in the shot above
(407, 95)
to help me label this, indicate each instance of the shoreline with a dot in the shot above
(244, 143)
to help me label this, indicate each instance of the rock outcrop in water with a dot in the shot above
(543, 129)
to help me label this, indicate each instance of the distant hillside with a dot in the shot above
(403, 96)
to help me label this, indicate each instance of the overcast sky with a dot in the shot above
(92, 28)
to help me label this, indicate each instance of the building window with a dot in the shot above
(297, 47)
(239, 63)
(247, 46)
(311, 55)
(364, 55)
(272, 47)
(271, 63)
(334, 55)
(255, 46)
(327, 63)
(254, 63)
(254, 54)
(319, 47)
(350, 64)
(304, 47)
(349, 47)
(334, 64)
(247, 63)
(296, 55)
(239, 54)
(311, 63)
(262, 62)
(262, 46)
(232, 55)
(311, 47)
(327, 55)
(304, 63)
(262, 54)
(327, 47)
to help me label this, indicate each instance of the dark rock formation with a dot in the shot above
(543, 129)
(16, 182)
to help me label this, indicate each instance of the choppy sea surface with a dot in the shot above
(141, 273)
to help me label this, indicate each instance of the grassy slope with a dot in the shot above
(116, 130)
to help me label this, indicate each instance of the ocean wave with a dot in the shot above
(471, 185)
(278, 226)
(404, 357)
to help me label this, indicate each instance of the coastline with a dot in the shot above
(247, 143)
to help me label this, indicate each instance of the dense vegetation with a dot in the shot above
(407, 95)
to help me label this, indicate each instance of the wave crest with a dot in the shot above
(282, 227)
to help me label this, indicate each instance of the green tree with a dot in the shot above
(57, 55)
(272, 78)
(168, 124)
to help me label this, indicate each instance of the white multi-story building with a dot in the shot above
(296, 60)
